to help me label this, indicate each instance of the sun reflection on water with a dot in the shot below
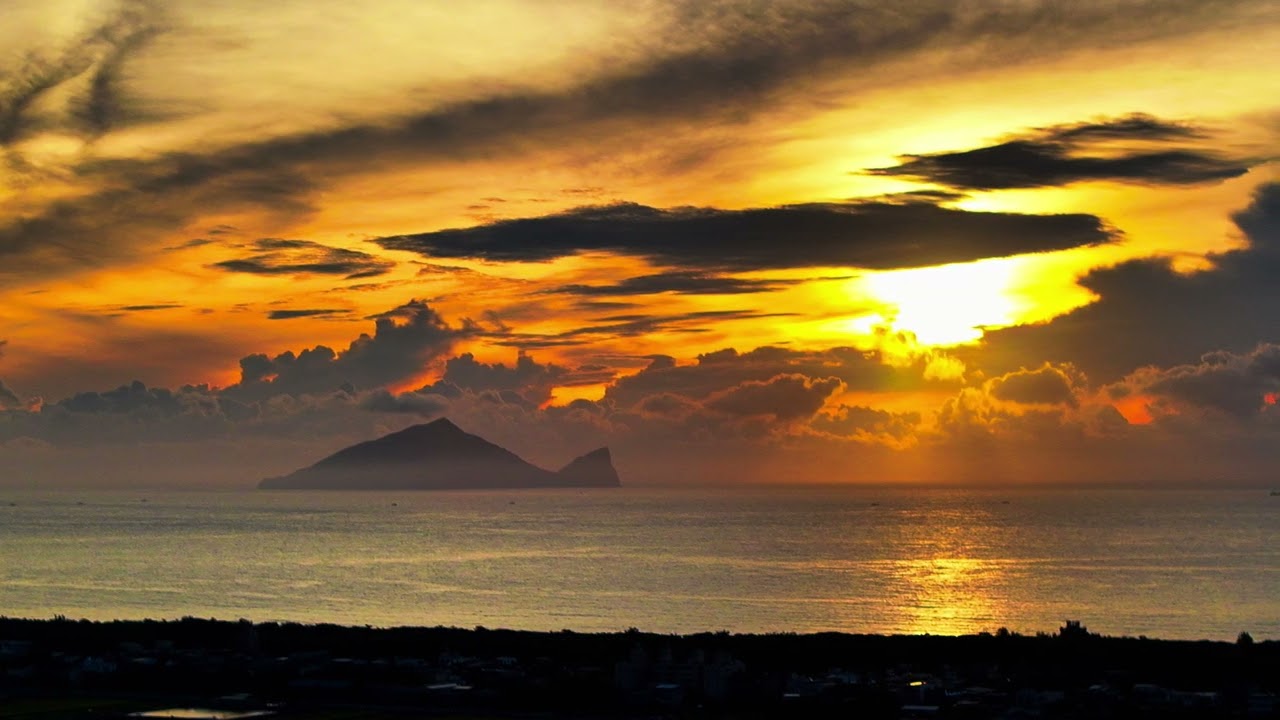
(949, 584)
(953, 596)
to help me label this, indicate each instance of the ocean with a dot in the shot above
(1167, 563)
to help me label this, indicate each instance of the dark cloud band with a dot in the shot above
(864, 234)
(1075, 153)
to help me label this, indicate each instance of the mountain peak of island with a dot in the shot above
(439, 455)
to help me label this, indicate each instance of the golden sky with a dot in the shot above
(769, 238)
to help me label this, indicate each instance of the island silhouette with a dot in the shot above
(439, 455)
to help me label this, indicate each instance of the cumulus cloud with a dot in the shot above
(1242, 385)
(1003, 429)
(1065, 154)
(527, 384)
(128, 414)
(1046, 385)
(719, 371)
(528, 379)
(427, 405)
(404, 343)
(976, 417)
(1027, 407)
(864, 422)
(125, 400)
(785, 397)
(863, 234)
(667, 405)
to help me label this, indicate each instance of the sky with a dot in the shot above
(928, 241)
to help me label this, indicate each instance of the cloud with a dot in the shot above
(1065, 154)
(9, 400)
(125, 400)
(717, 372)
(684, 282)
(292, 313)
(863, 422)
(723, 59)
(423, 404)
(528, 384)
(110, 352)
(105, 104)
(404, 343)
(975, 418)
(860, 234)
(1241, 385)
(140, 417)
(531, 380)
(785, 397)
(741, 431)
(631, 325)
(1149, 314)
(149, 308)
(1046, 385)
(667, 405)
(325, 399)
(722, 63)
(276, 256)
(727, 404)
(102, 52)
(147, 200)
(128, 414)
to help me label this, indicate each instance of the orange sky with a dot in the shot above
(920, 231)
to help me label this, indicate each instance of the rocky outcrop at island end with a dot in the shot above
(593, 469)
(440, 456)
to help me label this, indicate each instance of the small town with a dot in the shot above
(195, 669)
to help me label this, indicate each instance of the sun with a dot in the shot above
(948, 304)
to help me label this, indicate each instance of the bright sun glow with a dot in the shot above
(949, 304)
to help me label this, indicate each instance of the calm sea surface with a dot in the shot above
(1170, 564)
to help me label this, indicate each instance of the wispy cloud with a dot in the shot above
(684, 282)
(102, 52)
(277, 256)
(721, 63)
(294, 313)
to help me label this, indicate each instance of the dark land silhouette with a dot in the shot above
(440, 456)
(54, 669)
